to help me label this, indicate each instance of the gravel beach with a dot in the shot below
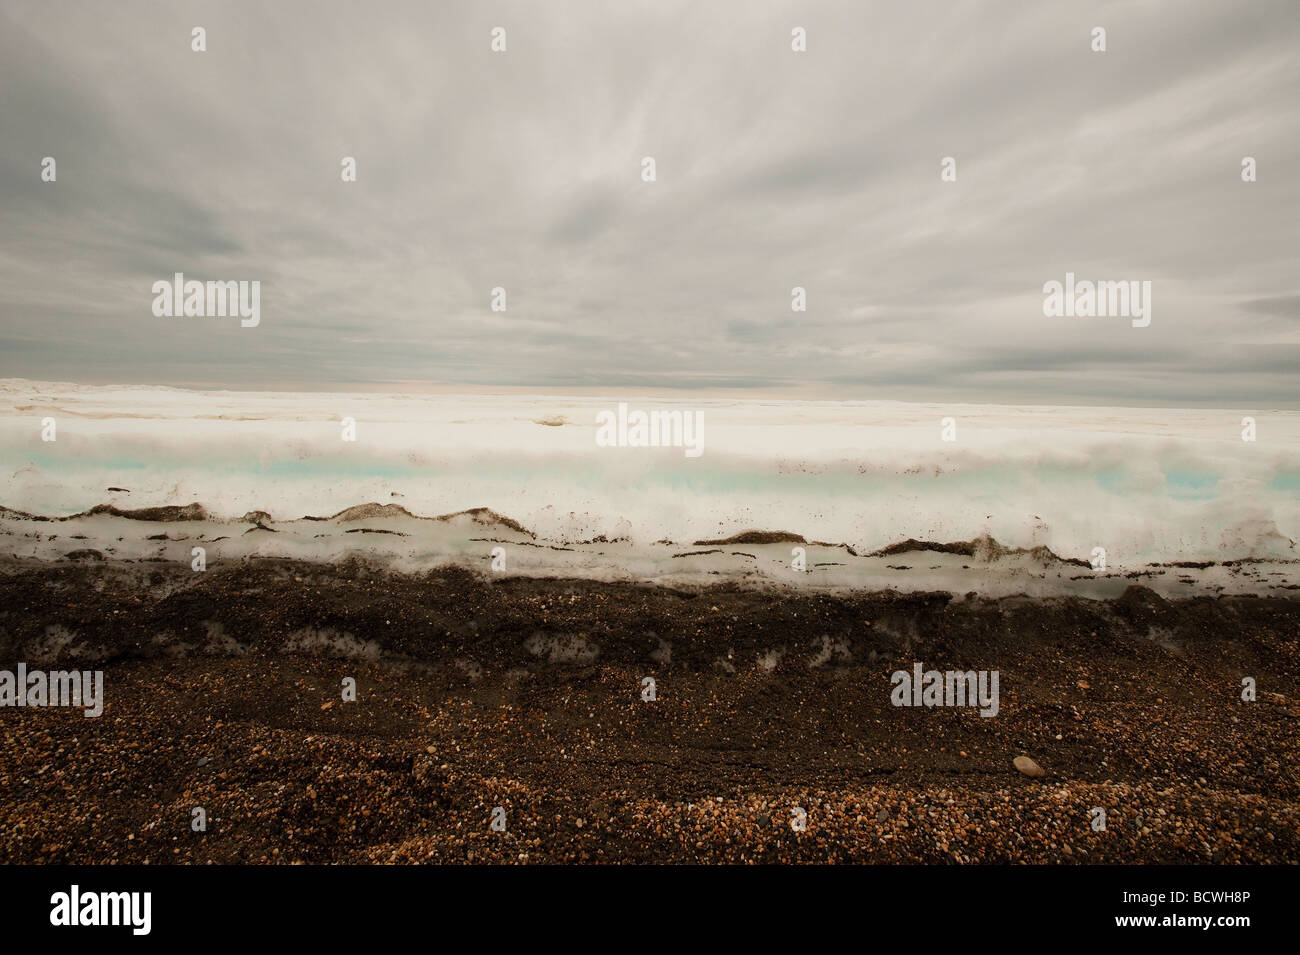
(771, 712)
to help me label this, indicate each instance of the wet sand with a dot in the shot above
(223, 692)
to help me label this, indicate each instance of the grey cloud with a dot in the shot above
(1285, 306)
(775, 170)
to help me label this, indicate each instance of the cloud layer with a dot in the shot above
(775, 169)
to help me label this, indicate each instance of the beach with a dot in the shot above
(473, 693)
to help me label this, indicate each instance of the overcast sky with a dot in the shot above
(775, 169)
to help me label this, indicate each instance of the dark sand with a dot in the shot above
(526, 694)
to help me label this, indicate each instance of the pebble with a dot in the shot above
(1029, 767)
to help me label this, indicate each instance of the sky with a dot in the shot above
(774, 169)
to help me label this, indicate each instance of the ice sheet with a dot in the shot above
(1148, 485)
